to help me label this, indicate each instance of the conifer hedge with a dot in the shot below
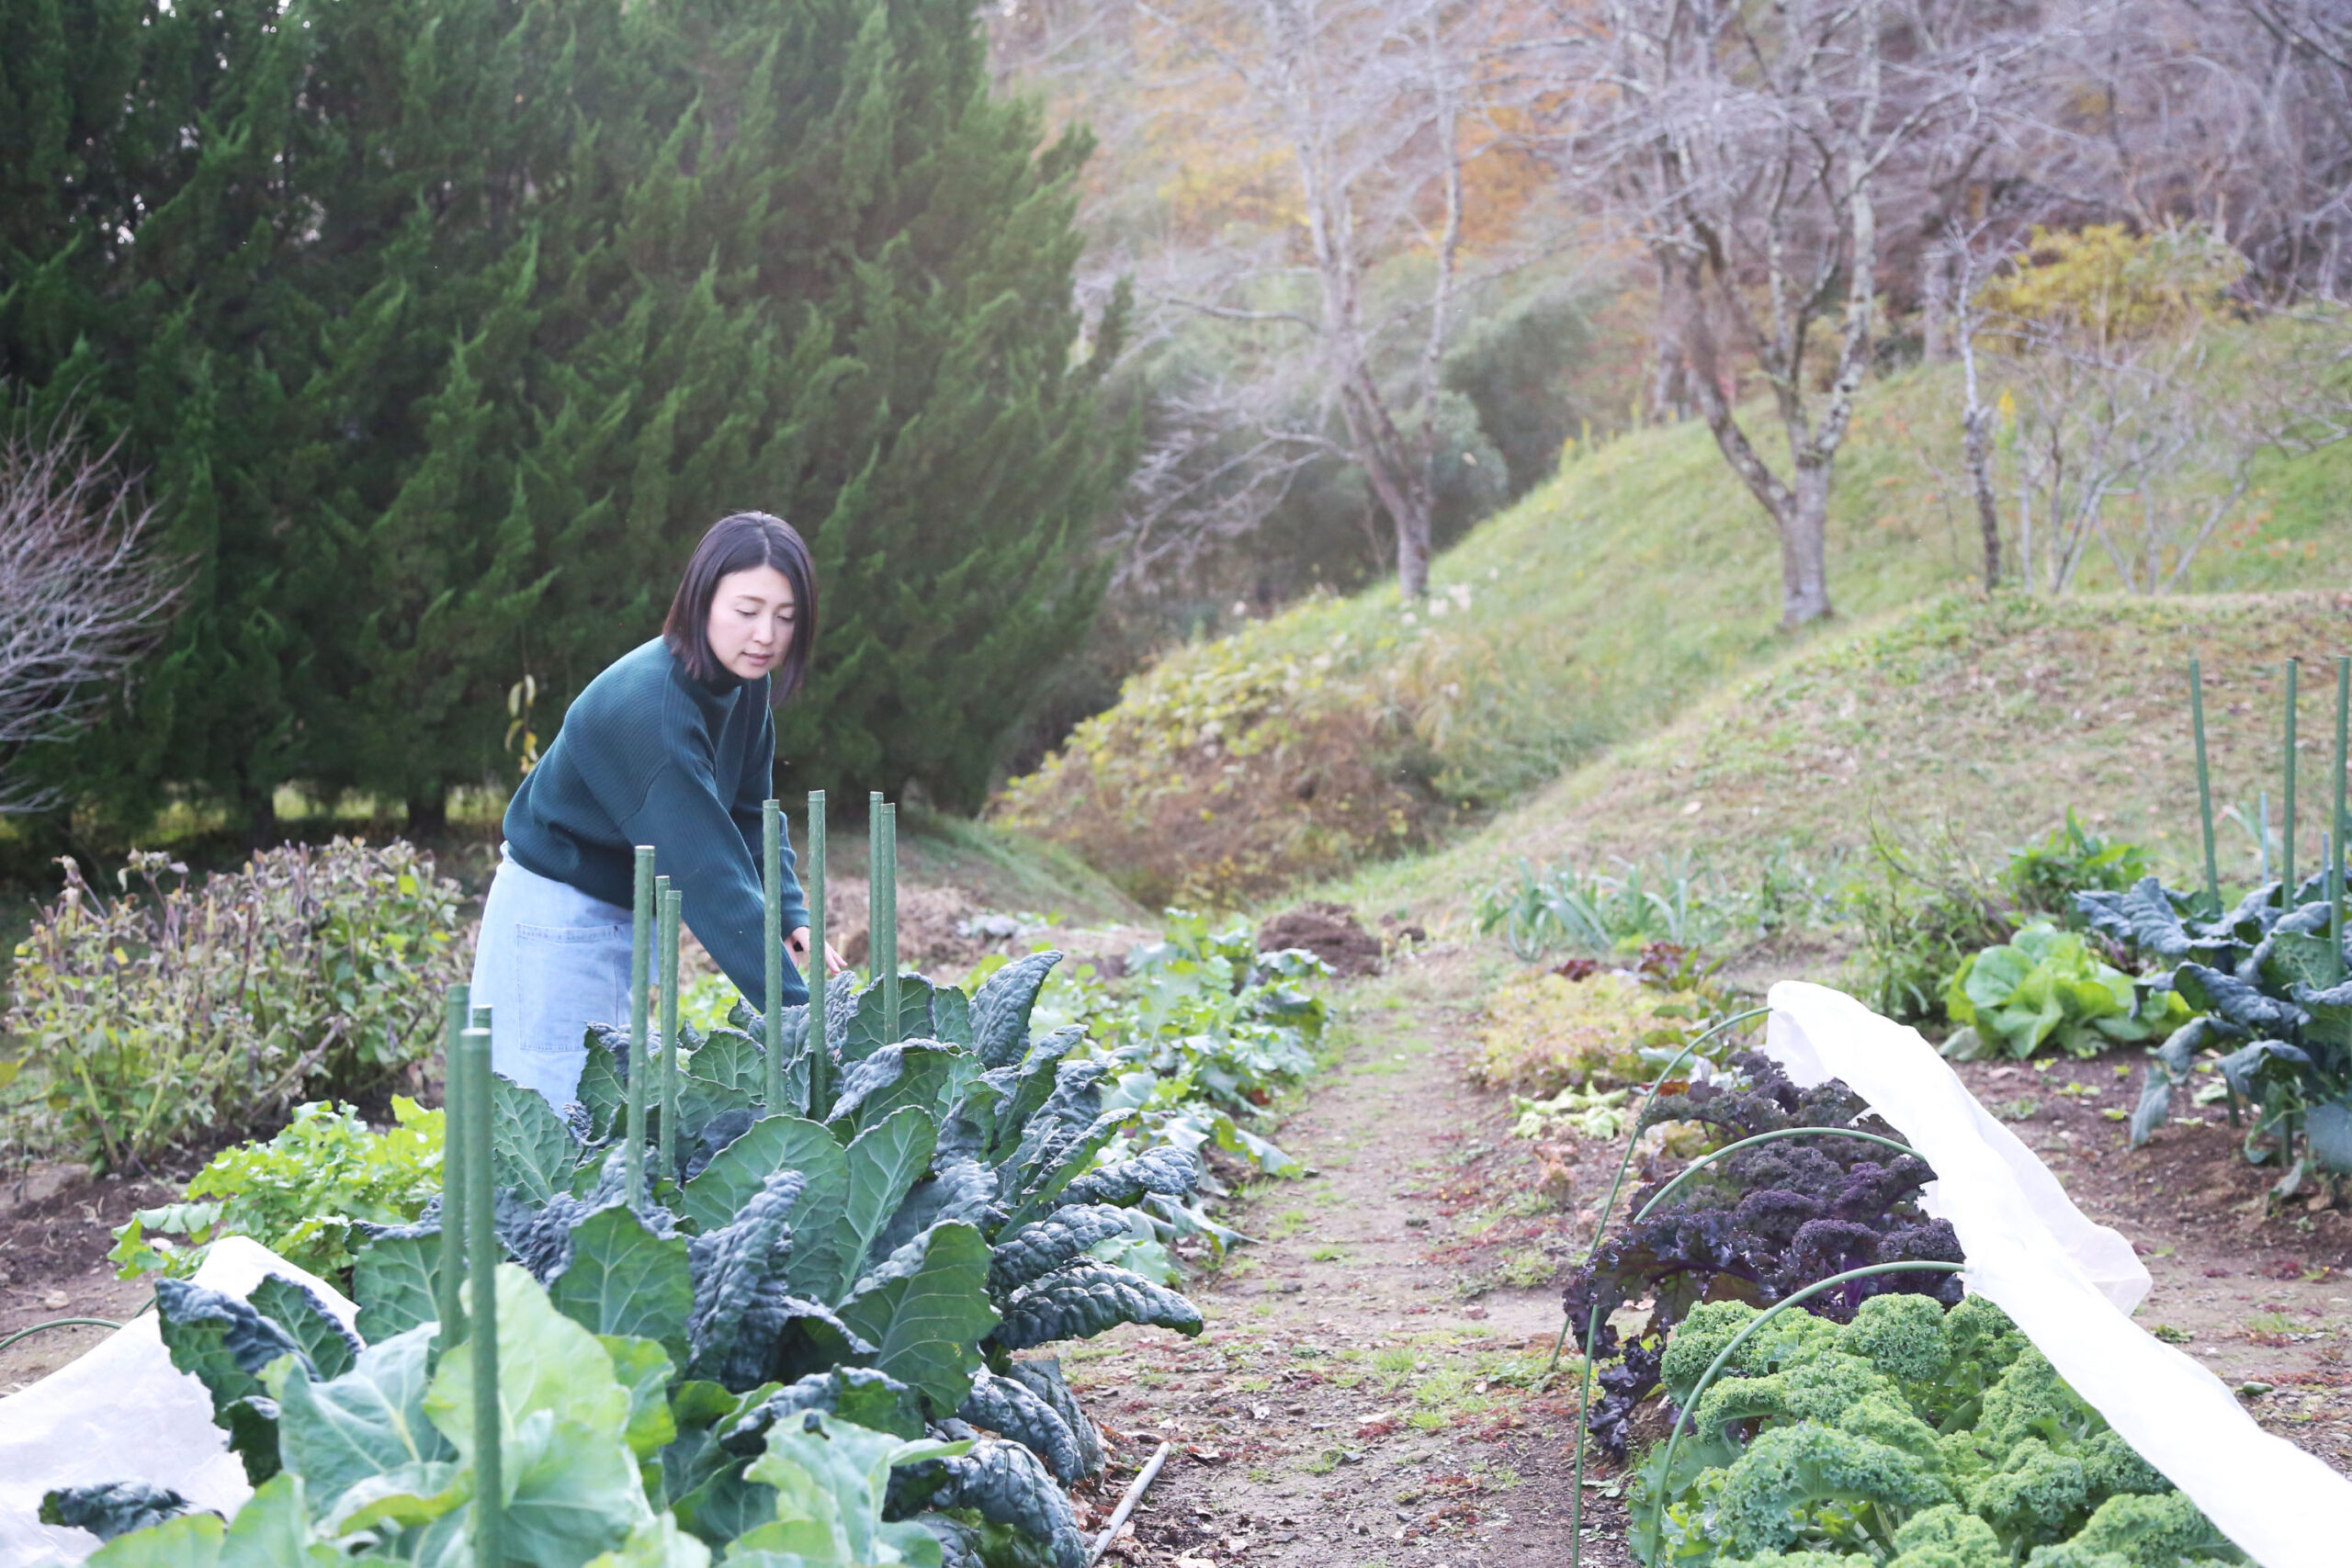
(444, 327)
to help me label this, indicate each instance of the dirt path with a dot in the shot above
(1362, 1395)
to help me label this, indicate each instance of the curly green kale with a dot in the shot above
(1912, 1437)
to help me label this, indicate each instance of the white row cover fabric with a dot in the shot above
(2069, 1285)
(124, 1413)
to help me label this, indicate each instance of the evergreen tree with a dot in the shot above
(446, 326)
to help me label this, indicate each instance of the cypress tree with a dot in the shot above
(446, 326)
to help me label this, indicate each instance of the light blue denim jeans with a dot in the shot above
(551, 961)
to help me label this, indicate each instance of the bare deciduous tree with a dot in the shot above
(1749, 147)
(82, 597)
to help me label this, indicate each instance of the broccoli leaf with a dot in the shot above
(774, 1144)
(532, 1153)
(925, 1311)
(622, 1279)
(921, 1074)
(883, 1162)
(369, 1421)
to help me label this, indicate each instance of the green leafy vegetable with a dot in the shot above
(2045, 986)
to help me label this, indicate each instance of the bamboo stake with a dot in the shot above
(879, 960)
(641, 952)
(821, 1057)
(453, 1172)
(672, 909)
(772, 931)
(490, 1494)
(2286, 843)
(2204, 782)
(1133, 1495)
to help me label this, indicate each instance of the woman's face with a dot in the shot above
(750, 621)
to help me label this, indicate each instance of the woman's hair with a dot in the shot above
(739, 543)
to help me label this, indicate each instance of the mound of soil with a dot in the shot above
(1330, 931)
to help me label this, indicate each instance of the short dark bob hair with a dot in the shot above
(740, 543)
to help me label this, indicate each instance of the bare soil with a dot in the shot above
(1371, 1389)
(1370, 1392)
(1368, 1389)
(56, 1228)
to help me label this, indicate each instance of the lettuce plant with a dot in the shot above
(2045, 986)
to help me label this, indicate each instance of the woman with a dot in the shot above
(673, 746)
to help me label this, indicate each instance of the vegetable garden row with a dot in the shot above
(774, 1290)
(778, 1291)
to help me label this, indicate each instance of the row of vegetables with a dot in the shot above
(2258, 995)
(812, 1342)
(1892, 1422)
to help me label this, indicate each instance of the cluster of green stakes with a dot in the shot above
(774, 1311)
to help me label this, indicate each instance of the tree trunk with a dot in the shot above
(1805, 548)
(256, 807)
(428, 814)
(1980, 477)
(1413, 550)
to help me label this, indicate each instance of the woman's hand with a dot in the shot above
(797, 945)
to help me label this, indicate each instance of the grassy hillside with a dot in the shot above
(1589, 614)
(1978, 721)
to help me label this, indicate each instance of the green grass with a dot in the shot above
(1985, 719)
(1601, 608)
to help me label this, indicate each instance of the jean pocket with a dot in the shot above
(568, 977)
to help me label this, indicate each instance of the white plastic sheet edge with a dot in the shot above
(2069, 1285)
(122, 1412)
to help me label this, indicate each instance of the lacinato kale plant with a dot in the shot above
(1755, 1227)
(1909, 1437)
(886, 1266)
(2269, 985)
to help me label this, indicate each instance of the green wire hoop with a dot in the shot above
(1699, 1390)
(59, 1322)
(1601, 1228)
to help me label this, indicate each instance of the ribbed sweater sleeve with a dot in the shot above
(645, 757)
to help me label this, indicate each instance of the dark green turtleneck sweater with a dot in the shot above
(649, 755)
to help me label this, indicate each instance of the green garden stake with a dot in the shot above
(2335, 821)
(453, 1172)
(874, 920)
(2286, 842)
(821, 1060)
(2204, 782)
(772, 931)
(2262, 832)
(2334, 902)
(672, 910)
(1592, 1325)
(640, 952)
(891, 922)
(481, 1248)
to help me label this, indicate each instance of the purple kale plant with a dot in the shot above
(1756, 1227)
